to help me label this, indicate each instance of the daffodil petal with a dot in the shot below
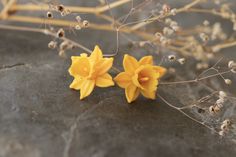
(149, 94)
(84, 55)
(80, 67)
(136, 81)
(74, 58)
(104, 66)
(86, 88)
(96, 54)
(146, 60)
(104, 81)
(151, 85)
(77, 83)
(131, 93)
(130, 63)
(147, 70)
(160, 70)
(123, 79)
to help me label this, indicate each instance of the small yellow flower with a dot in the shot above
(91, 71)
(139, 77)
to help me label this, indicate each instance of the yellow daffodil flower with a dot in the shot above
(139, 77)
(89, 72)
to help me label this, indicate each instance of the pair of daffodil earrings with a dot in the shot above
(138, 76)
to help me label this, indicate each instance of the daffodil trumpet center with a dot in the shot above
(85, 69)
(143, 79)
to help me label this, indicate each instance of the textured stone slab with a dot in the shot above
(41, 116)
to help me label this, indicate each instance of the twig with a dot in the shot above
(149, 21)
(7, 6)
(201, 100)
(219, 47)
(194, 80)
(184, 113)
(44, 31)
(33, 7)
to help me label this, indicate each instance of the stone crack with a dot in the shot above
(5, 67)
(68, 136)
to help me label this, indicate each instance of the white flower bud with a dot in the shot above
(78, 19)
(228, 81)
(204, 37)
(52, 44)
(85, 23)
(227, 122)
(60, 33)
(60, 8)
(49, 14)
(172, 58)
(222, 94)
(224, 127)
(212, 109)
(173, 11)
(231, 64)
(206, 23)
(221, 133)
(77, 27)
(182, 61)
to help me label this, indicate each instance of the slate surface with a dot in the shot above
(41, 117)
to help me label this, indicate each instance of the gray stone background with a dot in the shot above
(41, 117)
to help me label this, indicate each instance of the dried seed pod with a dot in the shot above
(172, 58)
(142, 43)
(77, 27)
(182, 61)
(206, 23)
(222, 94)
(176, 28)
(221, 133)
(85, 23)
(63, 13)
(158, 35)
(60, 33)
(233, 70)
(167, 31)
(219, 106)
(231, 64)
(64, 45)
(202, 66)
(49, 14)
(52, 44)
(62, 54)
(227, 122)
(204, 37)
(67, 11)
(60, 8)
(164, 41)
(168, 21)
(212, 109)
(166, 8)
(217, 109)
(220, 101)
(224, 127)
(173, 11)
(173, 23)
(78, 19)
(228, 81)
